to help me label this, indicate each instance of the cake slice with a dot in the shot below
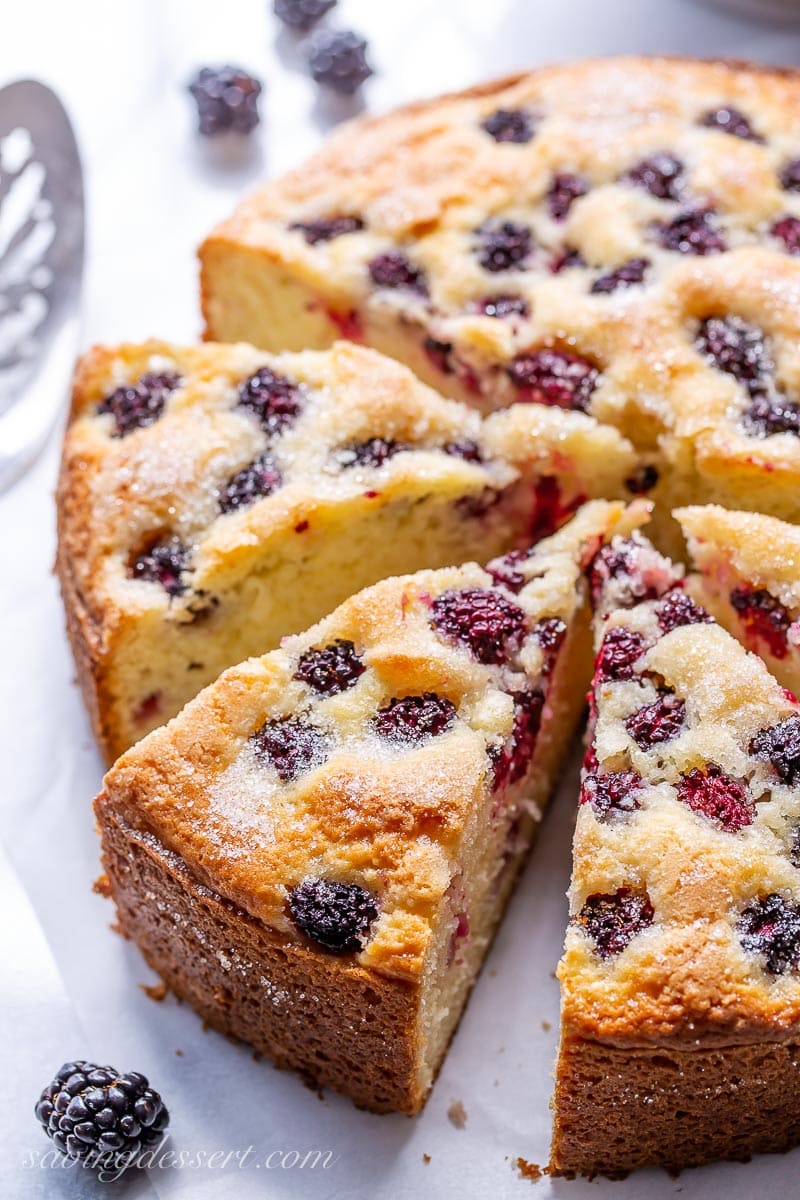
(680, 980)
(748, 576)
(316, 851)
(615, 236)
(214, 499)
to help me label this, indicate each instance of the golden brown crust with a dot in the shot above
(621, 1109)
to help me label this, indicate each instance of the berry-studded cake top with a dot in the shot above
(620, 237)
(685, 897)
(291, 786)
(182, 465)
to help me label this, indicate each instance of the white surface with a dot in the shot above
(154, 190)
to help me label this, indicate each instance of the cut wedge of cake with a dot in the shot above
(617, 236)
(680, 1038)
(749, 577)
(316, 851)
(214, 499)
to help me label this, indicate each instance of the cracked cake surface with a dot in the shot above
(617, 236)
(214, 499)
(289, 792)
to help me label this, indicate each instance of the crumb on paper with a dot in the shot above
(256, 1055)
(179, 1053)
(529, 1170)
(546, 1026)
(102, 886)
(426, 1158)
(156, 991)
(457, 1115)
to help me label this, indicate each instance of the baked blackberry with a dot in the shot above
(660, 175)
(412, 719)
(227, 100)
(138, 405)
(302, 14)
(338, 60)
(335, 915)
(565, 189)
(613, 920)
(510, 125)
(100, 1117)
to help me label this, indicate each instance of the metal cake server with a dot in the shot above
(41, 268)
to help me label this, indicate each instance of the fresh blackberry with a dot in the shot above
(502, 306)
(780, 745)
(554, 377)
(611, 793)
(563, 192)
(227, 100)
(484, 621)
(275, 400)
(630, 273)
(691, 232)
(730, 120)
(413, 719)
(302, 14)
(100, 1117)
(787, 231)
(510, 125)
(660, 175)
(503, 245)
(679, 609)
(325, 229)
(290, 745)
(374, 452)
(724, 800)
(657, 723)
(770, 926)
(338, 59)
(330, 669)
(395, 270)
(257, 479)
(613, 920)
(137, 405)
(336, 916)
(164, 563)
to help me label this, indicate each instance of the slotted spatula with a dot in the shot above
(41, 268)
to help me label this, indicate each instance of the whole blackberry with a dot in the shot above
(395, 270)
(719, 797)
(274, 399)
(484, 621)
(770, 926)
(737, 348)
(260, 478)
(730, 120)
(691, 232)
(99, 1117)
(658, 722)
(331, 669)
(771, 413)
(787, 231)
(227, 100)
(780, 745)
(164, 563)
(612, 920)
(563, 192)
(679, 609)
(413, 719)
(335, 915)
(503, 245)
(338, 59)
(620, 649)
(137, 405)
(558, 378)
(291, 746)
(302, 14)
(659, 175)
(510, 125)
(611, 793)
(764, 617)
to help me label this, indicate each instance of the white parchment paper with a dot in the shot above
(70, 984)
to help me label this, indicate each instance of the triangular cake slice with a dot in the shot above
(680, 1036)
(316, 851)
(748, 576)
(214, 499)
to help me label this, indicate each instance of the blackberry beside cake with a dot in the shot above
(316, 851)
(680, 1038)
(620, 237)
(749, 577)
(215, 499)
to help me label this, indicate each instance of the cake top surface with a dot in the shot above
(182, 465)
(762, 551)
(685, 897)
(639, 216)
(302, 768)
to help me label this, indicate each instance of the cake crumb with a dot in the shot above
(102, 886)
(457, 1115)
(529, 1170)
(179, 1053)
(546, 1026)
(156, 991)
(426, 1158)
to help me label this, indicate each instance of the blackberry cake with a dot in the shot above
(215, 499)
(316, 851)
(680, 1038)
(749, 577)
(619, 237)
